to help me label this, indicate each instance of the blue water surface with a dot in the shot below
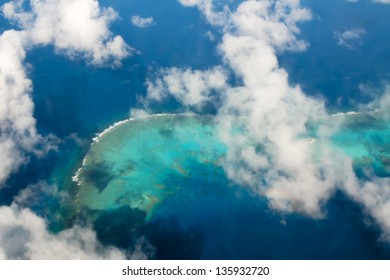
(205, 218)
(334, 72)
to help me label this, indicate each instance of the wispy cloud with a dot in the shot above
(210, 35)
(24, 235)
(382, 1)
(190, 88)
(349, 38)
(374, 1)
(218, 18)
(142, 22)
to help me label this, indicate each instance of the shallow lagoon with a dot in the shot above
(162, 178)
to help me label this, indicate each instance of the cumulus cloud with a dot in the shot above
(142, 22)
(16, 107)
(74, 27)
(18, 132)
(192, 88)
(349, 38)
(24, 235)
(382, 1)
(267, 148)
(275, 113)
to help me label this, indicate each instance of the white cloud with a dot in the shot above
(24, 235)
(275, 113)
(191, 88)
(374, 195)
(142, 22)
(272, 23)
(18, 133)
(349, 38)
(206, 7)
(138, 113)
(267, 150)
(373, 192)
(353, 1)
(74, 27)
(380, 104)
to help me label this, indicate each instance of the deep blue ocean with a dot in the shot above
(335, 72)
(74, 100)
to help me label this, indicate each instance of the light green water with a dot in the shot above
(131, 164)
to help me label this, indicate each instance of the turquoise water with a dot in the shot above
(187, 208)
(365, 138)
(162, 177)
(133, 165)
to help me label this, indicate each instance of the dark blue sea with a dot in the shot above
(74, 101)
